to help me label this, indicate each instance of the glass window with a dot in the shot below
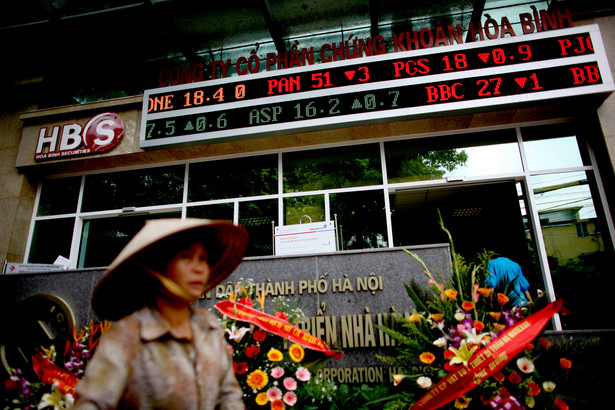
(59, 196)
(259, 218)
(361, 219)
(216, 211)
(304, 209)
(579, 264)
(582, 231)
(103, 239)
(144, 187)
(486, 153)
(552, 147)
(332, 168)
(51, 238)
(233, 178)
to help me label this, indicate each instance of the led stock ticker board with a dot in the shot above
(554, 64)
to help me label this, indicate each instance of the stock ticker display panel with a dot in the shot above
(560, 63)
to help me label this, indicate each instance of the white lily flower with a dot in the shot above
(237, 334)
(525, 365)
(424, 382)
(441, 342)
(57, 399)
(548, 386)
(473, 338)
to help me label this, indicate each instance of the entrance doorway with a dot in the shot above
(479, 216)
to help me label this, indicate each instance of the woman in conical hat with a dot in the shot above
(162, 352)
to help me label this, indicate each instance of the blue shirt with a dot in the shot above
(505, 276)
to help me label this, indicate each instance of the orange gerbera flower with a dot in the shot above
(485, 292)
(499, 327)
(275, 355)
(415, 318)
(257, 379)
(467, 306)
(478, 325)
(427, 357)
(495, 315)
(262, 399)
(437, 317)
(451, 294)
(277, 404)
(546, 343)
(296, 352)
(502, 299)
(566, 364)
(560, 404)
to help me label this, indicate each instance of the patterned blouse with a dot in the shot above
(141, 363)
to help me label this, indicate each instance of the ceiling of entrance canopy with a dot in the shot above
(155, 29)
(63, 41)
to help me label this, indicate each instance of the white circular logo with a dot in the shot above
(103, 132)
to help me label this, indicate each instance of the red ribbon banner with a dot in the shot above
(275, 325)
(488, 360)
(50, 373)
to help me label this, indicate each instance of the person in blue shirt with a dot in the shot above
(505, 276)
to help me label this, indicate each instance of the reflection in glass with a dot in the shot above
(103, 239)
(361, 219)
(553, 153)
(233, 178)
(553, 146)
(572, 232)
(468, 155)
(332, 168)
(144, 187)
(215, 211)
(51, 238)
(311, 207)
(259, 218)
(59, 196)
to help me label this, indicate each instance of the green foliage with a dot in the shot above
(425, 165)
(362, 397)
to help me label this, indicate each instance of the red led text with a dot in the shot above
(443, 92)
(283, 85)
(587, 74)
(411, 67)
(160, 103)
(579, 46)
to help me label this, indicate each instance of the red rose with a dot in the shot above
(281, 315)
(252, 351)
(486, 398)
(240, 368)
(259, 335)
(498, 376)
(478, 325)
(514, 378)
(533, 389)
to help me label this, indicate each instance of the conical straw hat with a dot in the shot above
(125, 287)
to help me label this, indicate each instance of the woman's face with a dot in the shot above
(190, 270)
